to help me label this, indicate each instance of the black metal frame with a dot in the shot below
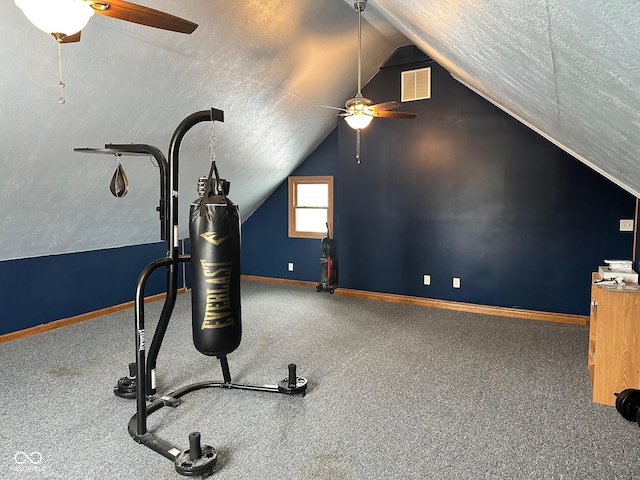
(146, 362)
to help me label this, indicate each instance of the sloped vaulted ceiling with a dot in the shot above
(567, 68)
(570, 69)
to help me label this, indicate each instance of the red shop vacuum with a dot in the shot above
(328, 265)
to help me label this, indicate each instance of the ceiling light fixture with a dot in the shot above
(65, 19)
(358, 120)
(60, 18)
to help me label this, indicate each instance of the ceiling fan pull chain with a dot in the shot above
(61, 83)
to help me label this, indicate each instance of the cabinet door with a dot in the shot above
(617, 336)
(593, 327)
(593, 322)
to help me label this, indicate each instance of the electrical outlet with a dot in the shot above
(456, 282)
(291, 266)
(626, 225)
(426, 279)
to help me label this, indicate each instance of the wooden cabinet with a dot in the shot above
(614, 340)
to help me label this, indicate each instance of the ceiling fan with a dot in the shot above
(64, 19)
(359, 111)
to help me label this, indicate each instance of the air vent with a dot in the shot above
(416, 84)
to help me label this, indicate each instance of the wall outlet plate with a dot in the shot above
(291, 266)
(456, 282)
(626, 225)
(426, 279)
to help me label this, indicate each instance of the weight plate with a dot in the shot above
(628, 403)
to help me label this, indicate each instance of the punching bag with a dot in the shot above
(214, 230)
(119, 185)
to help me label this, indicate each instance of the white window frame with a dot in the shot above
(293, 183)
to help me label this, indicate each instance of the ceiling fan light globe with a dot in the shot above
(65, 17)
(358, 120)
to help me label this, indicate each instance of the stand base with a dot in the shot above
(198, 460)
(299, 387)
(126, 388)
(201, 466)
(205, 465)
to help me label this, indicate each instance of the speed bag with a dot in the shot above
(215, 273)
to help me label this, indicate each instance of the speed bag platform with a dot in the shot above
(214, 230)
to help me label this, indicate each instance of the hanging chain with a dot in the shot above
(61, 83)
(219, 188)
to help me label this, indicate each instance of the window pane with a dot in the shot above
(313, 195)
(310, 206)
(311, 220)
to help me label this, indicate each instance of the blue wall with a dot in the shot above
(39, 290)
(462, 190)
(266, 246)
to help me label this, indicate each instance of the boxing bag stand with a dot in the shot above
(197, 459)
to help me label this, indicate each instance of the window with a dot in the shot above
(310, 206)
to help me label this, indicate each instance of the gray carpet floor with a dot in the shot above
(395, 392)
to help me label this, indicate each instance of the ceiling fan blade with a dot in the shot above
(379, 107)
(320, 116)
(70, 38)
(394, 115)
(149, 17)
(333, 108)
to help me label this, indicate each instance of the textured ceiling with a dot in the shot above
(266, 65)
(569, 69)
